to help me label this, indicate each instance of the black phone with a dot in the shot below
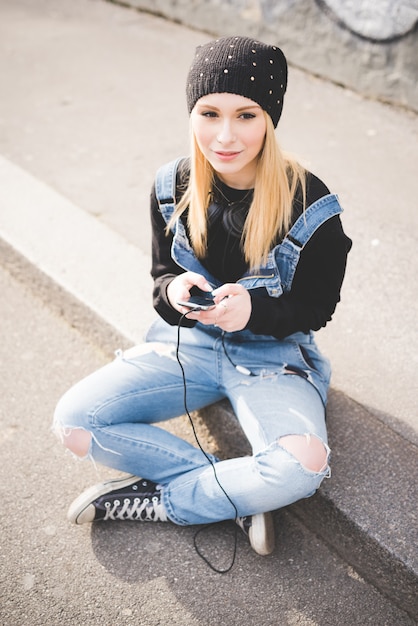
(199, 300)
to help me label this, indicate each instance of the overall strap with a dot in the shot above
(181, 250)
(312, 218)
(165, 188)
(288, 252)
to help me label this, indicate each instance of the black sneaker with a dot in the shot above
(260, 531)
(129, 498)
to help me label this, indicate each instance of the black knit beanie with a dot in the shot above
(242, 66)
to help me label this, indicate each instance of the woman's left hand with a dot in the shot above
(232, 310)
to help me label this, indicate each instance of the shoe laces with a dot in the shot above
(136, 509)
(244, 523)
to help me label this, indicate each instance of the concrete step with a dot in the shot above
(367, 510)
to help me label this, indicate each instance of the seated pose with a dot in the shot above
(262, 239)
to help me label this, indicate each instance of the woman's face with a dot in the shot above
(230, 131)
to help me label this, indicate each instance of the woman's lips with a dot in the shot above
(226, 156)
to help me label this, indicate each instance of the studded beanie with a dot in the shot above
(242, 66)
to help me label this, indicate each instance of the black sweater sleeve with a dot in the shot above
(315, 289)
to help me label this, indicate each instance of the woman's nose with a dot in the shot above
(225, 134)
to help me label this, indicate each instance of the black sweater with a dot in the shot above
(316, 285)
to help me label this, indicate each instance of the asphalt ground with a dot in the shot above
(88, 111)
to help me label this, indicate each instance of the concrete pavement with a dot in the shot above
(89, 109)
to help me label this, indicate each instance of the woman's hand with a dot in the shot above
(179, 288)
(232, 310)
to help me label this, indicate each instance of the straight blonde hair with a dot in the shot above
(276, 181)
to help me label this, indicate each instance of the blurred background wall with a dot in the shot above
(370, 46)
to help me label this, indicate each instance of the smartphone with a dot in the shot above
(199, 300)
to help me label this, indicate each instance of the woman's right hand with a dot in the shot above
(179, 288)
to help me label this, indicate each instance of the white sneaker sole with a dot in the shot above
(82, 510)
(261, 533)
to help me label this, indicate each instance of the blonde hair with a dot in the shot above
(277, 179)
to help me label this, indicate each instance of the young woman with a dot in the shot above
(261, 236)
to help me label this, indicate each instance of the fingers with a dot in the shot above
(179, 288)
(227, 290)
(233, 302)
(192, 279)
(236, 307)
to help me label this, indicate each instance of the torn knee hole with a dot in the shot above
(77, 440)
(309, 450)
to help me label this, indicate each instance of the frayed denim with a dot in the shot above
(122, 403)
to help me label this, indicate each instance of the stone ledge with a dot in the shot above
(367, 511)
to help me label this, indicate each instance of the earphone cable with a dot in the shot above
(202, 556)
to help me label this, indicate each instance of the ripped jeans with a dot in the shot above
(122, 403)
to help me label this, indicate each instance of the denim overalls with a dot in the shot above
(122, 403)
(276, 275)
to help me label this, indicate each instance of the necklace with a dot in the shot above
(231, 215)
(228, 201)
